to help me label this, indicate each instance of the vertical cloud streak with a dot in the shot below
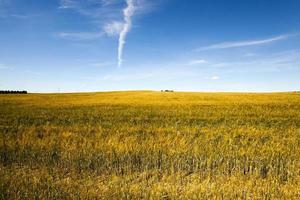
(128, 13)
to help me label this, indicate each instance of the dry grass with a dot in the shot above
(150, 145)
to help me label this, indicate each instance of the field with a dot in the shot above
(150, 145)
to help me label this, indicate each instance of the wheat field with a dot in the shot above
(150, 145)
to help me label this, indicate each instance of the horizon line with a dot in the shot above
(173, 91)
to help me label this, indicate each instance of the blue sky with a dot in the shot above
(193, 45)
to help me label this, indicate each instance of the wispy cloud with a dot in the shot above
(101, 64)
(2, 66)
(197, 62)
(111, 15)
(8, 10)
(226, 45)
(100, 10)
(80, 35)
(249, 54)
(36, 73)
(109, 2)
(280, 61)
(214, 78)
(20, 16)
(65, 4)
(114, 28)
(128, 13)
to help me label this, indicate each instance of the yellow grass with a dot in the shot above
(150, 145)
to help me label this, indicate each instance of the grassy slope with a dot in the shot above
(150, 145)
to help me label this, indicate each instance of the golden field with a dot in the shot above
(150, 145)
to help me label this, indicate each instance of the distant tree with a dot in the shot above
(13, 92)
(167, 90)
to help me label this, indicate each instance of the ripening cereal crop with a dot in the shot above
(150, 145)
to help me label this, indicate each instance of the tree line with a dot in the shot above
(13, 92)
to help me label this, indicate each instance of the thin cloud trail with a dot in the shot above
(228, 45)
(128, 13)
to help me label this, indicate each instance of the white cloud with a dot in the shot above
(33, 72)
(108, 14)
(80, 35)
(197, 62)
(249, 54)
(226, 45)
(2, 66)
(18, 16)
(128, 13)
(109, 2)
(114, 28)
(101, 64)
(65, 4)
(280, 61)
(101, 10)
(214, 78)
(107, 77)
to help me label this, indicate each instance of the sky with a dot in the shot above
(108, 45)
